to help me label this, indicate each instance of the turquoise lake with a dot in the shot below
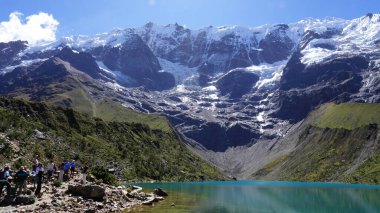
(265, 196)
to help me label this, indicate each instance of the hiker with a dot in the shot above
(50, 169)
(61, 172)
(67, 168)
(84, 174)
(35, 163)
(20, 179)
(72, 168)
(39, 178)
(6, 173)
(4, 181)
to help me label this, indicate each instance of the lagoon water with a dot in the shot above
(265, 196)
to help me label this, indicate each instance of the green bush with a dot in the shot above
(57, 183)
(101, 173)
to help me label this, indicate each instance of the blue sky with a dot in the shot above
(94, 16)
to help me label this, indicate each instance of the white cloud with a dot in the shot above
(35, 29)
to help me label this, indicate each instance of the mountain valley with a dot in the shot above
(255, 102)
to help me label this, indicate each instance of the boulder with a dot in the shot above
(87, 191)
(25, 200)
(159, 192)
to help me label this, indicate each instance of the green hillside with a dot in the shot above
(335, 143)
(141, 152)
(346, 116)
(60, 84)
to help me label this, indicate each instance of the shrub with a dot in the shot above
(57, 183)
(101, 173)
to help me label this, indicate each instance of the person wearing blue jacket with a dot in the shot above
(72, 168)
(66, 168)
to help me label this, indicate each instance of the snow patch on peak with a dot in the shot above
(319, 25)
(269, 74)
(167, 30)
(219, 32)
(358, 36)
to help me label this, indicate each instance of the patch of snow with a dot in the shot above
(118, 75)
(181, 88)
(213, 96)
(23, 63)
(318, 25)
(269, 73)
(180, 72)
(210, 88)
(260, 117)
(185, 99)
(104, 67)
(358, 35)
(115, 86)
(315, 55)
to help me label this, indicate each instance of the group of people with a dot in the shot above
(37, 175)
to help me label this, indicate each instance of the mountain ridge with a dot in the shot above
(196, 80)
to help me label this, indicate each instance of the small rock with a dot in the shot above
(89, 211)
(99, 205)
(39, 134)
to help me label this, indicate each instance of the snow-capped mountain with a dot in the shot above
(222, 87)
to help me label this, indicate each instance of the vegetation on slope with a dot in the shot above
(335, 143)
(139, 151)
(57, 82)
(368, 172)
(346, 116)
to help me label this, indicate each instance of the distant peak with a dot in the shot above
(372, 17)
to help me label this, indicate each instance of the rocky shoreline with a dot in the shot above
(74, 197)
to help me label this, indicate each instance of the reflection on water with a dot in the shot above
(264, 196)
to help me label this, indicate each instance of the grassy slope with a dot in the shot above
(109, 110)
(347, 116)
(74, 93)
(141, 152)
(332, 141)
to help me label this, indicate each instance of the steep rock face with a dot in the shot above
(9, 51)
(217, 50)
(276, 45)
(80, 60)
(33, 77)
(304, 87)
(236, 83)
(134, 59)
(176, 48)
(218, 138)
